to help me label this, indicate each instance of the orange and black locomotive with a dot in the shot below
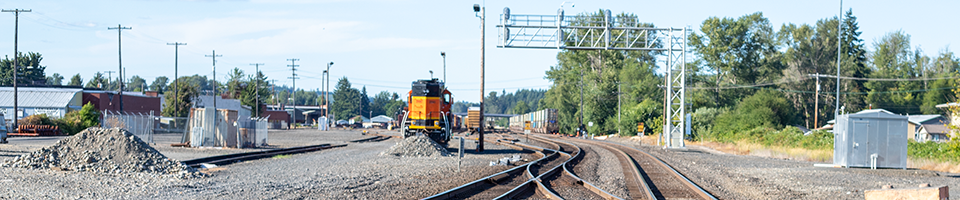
(428, 111)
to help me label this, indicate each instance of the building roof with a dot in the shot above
(878, 110)
(381, 119)
(951, 104)
(38, 97)
(920, 119)
(936, 128)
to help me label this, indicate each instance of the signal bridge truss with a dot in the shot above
(608, 32)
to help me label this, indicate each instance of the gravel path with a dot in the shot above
(729, 176)
(357, 171)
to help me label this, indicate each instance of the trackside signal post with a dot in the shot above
(615, 33)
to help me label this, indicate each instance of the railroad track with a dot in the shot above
(533, 179)
(551, 177)
(648, 177)
(240, 157)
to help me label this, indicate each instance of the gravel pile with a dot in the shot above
(417, 146)
(104, 151)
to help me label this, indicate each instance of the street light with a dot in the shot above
(431, 74)
(326, 100)
(444, 55)
(479, 12)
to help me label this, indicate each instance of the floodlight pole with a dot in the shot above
(444, 55)
(16, 65)
(482, 15)
(326, 94)
(836, 109)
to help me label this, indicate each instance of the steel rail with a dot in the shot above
(639, 185)
(578, 154)
(452, 193)
(703, 193)
(238, 157)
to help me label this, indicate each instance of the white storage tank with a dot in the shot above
(872, 139)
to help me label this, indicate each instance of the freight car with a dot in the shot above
(541, 121)
(428, 111)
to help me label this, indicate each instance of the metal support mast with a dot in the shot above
(836, 108)
(119, 29)
(16, 64)
(608, 33)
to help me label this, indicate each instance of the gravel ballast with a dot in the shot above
(98, 150)
(356, 171)
(417, 146)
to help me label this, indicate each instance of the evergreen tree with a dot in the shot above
(345, 100)
(30, 71)
(76, 80)
(55, 79)
(852, 64)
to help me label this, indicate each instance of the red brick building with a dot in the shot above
(133, 102)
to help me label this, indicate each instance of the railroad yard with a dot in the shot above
(368, 167)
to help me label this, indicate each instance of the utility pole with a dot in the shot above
(109, 77)
(16, 65)
(816, 104)
(618, 108)
(480, 12)
(176, 83)
(215, 85)
(120, 61)
(581, 127)
(257, 90)
(293, 71)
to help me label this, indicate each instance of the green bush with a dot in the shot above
(78, 120)
(766, 110)
(38, 119)
(942, 152)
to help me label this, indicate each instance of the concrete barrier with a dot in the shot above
(923, 192)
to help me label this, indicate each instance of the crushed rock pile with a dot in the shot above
(105, 151)
(417, 146)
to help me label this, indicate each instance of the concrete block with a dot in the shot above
(931, 193)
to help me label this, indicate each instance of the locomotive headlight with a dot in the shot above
(436, 123)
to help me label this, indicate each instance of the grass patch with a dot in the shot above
(281, 156)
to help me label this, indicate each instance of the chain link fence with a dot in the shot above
(139, 124)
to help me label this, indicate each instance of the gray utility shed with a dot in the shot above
(876, 139)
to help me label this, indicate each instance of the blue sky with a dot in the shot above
(381, 44)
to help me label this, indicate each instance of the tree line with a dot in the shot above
(744, 74)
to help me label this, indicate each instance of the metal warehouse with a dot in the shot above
(55, 102)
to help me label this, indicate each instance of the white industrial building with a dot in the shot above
(55, 102)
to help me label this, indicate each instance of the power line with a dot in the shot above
(881, 79)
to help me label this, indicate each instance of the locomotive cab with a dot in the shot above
(428, 111)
